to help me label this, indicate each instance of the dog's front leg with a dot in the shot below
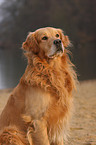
(37, 133)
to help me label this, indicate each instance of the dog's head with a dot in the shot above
(48, 41)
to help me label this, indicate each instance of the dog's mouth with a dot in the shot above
(56, 54)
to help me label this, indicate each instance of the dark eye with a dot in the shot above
(57, 35)
(45, 38)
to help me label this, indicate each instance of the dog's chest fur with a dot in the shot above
(37, 102)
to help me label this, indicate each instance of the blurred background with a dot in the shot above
(18, 17)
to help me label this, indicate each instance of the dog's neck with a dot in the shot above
(43, 59)
(55, 76)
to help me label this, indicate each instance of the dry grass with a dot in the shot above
(83, 126)
(83, 123)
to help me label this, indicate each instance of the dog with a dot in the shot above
(39, 108)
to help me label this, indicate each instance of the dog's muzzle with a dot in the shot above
(58, 44)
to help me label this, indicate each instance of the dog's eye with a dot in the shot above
(45, 38)
(57, 35)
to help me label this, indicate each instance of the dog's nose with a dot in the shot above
(57, 42)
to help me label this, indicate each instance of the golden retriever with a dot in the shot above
(38, 110)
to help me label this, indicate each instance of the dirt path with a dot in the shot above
(83, 123)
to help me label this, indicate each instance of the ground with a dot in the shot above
(83, 122)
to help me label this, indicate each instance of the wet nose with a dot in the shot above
(57, 42)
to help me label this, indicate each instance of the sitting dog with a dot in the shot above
(39, 108)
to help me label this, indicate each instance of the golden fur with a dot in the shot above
(40, 105)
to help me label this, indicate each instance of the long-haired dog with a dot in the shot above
(38, 110)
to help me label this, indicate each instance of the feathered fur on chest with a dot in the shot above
(56, 77)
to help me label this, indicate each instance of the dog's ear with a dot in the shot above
(64, 38)
(31, 43)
